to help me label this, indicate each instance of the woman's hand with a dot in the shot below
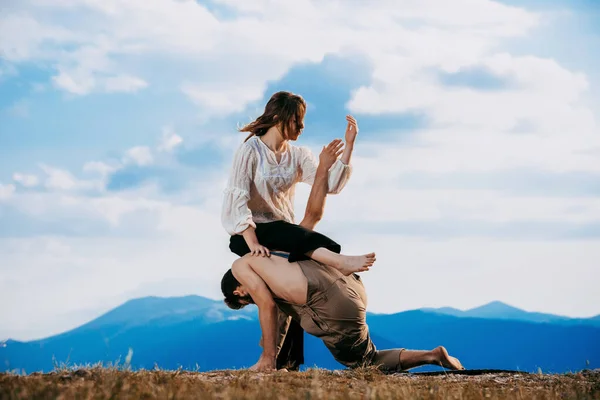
(252, 241)
(330, 153)
(256, 249)
(351, 129)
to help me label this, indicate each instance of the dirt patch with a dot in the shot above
(100, 383)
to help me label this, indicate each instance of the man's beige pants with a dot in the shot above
(335, 312)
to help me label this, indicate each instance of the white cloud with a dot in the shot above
(77, 83)
(236, 57)
(140, 155)
(168, 246)
(99, 167)
(82, 82)
(23, 37)
(26, 180)
(124, 83)
(473, 271)
(169, 140)
(222, 100)
(6, 191)
(62, 180)
(223, 65)
(58, 178)
(19, 109)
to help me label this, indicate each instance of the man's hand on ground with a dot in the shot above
(264, 364)
(330, 153)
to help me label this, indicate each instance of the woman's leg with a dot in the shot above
(347, 265)
(303, 244)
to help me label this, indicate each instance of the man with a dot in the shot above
(326, 303)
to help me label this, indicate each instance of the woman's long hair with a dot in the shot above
(283, 107)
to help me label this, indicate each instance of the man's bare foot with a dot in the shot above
(446, 360)
(351, 264)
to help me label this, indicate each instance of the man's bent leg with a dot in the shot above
(438, 356)
(403, 360)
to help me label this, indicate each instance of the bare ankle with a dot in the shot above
(433, 356)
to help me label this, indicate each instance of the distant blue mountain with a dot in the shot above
(500, 310)
(195, 332)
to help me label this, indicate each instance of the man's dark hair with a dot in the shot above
(228, 286)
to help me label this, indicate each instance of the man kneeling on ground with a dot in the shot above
(326, 303)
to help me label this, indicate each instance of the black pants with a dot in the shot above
(297, 241)
(281, 235)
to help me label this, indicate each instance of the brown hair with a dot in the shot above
(283, 107)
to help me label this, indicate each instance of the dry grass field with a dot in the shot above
(115, 383)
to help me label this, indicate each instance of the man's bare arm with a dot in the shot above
(267, 310)
(318, 193)
(316, 200)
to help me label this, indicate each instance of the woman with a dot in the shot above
(259, 199)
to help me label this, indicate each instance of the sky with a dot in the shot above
(476, 173)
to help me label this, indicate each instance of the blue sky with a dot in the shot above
(477, 167)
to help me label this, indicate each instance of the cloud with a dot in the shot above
(170, 140)
(140, 155)
(222, 99)
(58, 178)
(474, 172)
(80, 82)
(6, 191)
(474, 77)
(19, 109)
(62, 180)
(124, 83)
(235, 54)
(76, 83)
(99, 167)
(166, 179)
(26, 180)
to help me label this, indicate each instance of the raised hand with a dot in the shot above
(351, 129)
(330, 153)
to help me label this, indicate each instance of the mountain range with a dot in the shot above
(194, 332)
(500, 310)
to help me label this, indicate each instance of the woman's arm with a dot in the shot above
(340, 172)
(236, 217)
(351, 132)
(235, 214)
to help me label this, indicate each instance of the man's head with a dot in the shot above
(236, 296)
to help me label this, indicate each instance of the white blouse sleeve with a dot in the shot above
(338, 174)
(235, 214)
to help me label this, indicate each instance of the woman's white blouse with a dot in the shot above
(262, 190)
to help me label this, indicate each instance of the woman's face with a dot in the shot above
(295, 128)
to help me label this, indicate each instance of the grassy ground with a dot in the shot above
(101, 383)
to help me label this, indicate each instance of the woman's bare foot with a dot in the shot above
(446, 360)
(351, 264)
